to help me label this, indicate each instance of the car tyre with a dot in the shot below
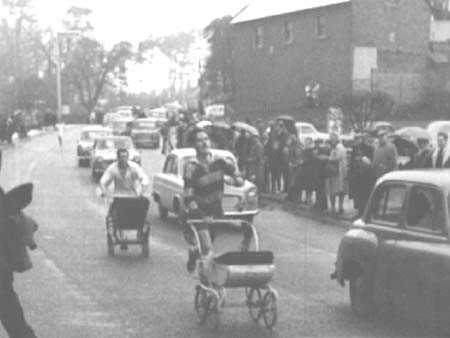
(163, 212)
(361, 297)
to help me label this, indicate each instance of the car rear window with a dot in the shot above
(388, 203)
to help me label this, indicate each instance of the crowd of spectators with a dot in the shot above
(316, 172)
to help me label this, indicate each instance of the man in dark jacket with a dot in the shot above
(423, 158)
(14, 225)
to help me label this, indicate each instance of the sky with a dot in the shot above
(134, 20)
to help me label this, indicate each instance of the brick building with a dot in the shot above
(343, 45)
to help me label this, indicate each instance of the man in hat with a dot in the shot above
(385, 155)
(423, 158)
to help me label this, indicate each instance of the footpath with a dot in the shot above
(345, 219)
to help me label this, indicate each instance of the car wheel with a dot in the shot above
(361, 297)
(163, 212)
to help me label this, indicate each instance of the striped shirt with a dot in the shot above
(204, 187)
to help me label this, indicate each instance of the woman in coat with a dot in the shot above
(336, 182)
(255, 162)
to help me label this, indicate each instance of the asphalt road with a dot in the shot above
(76, 290)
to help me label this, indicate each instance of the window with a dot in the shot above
(321, 26)
(388, 204)
(168, 165)
(288, 32)
(426, 210)
(307, 130)
(259, 37)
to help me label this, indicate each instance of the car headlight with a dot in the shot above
(99, 160)
(252, 199)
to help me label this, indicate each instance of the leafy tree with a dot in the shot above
(91, 67)
(217, 79)
(360, 109)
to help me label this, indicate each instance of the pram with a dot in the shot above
(127, 223)
(251, 270)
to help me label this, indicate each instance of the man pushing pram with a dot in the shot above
(129, 181)
(204, 179)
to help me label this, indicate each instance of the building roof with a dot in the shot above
(439, 177)
(264, 9)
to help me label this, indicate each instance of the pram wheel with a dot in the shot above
(212, 315)
(201, 304)
(269, 309)
(254, 303)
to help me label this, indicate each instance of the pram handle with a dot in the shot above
(229, 221)
(238, 223)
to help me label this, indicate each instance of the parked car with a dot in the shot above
(305, 130)
(119, 125)
(168, 187)
(398, 254)
(104, 153)
(86, 142)
(145, 133)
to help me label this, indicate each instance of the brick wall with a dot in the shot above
(273, 78)
(392, 25)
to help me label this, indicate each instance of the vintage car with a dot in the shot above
(119, 125)
(104, 153)
(145, 132)
(398, 254)
(238, 202)
(86, 142)
(307, 130)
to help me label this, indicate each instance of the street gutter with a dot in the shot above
(295, 208)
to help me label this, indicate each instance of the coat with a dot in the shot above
(255, 162)
(445, 160)
(423, 159)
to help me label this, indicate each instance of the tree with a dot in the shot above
(217, 79)
(360, 109)
(23, 55)
(91, 67)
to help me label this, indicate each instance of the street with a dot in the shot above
(76, 290)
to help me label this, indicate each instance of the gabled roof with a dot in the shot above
(264, 9)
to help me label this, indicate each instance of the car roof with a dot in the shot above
(95, 128)
(184, 152)
(303, 124)
(440, 177)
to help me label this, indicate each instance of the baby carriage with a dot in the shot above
(127, 224)
(251, 270)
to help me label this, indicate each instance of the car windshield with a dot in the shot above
(113, 144)
(93, 134)
(145, 124)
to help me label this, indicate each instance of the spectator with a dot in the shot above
(385, 155)
(362, 180)
(283, 138)
(306, 176)
(336, 182)
(423, 158)
(255, 162)
(319, 160)
(441, 155)
(241, 150)
(294, 163)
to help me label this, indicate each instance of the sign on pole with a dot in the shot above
(335, 120)
(217, 110)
